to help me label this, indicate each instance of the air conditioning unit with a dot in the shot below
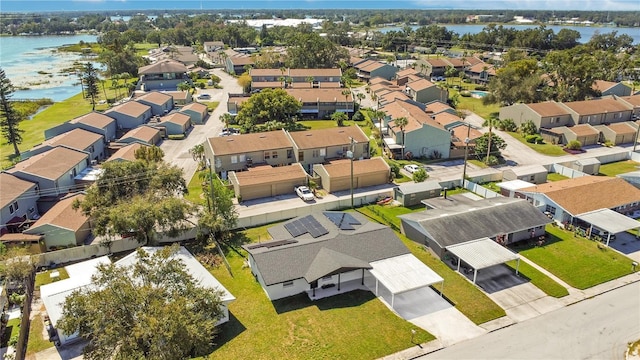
(94, 162)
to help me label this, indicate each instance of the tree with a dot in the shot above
(346, 93)
(309, 50)
(528, 128)
(184, 86)
(244, 80)
(491, 123)
(226, 118)
(16, 265)
(9, 117)
(197, 153)
(339, 118)
(215, 79)
(267, 105)
(360, 97)
(138, 198)
(379, 115)
(401, 122)
(90, 80)
(310, 80)
(490, 143)
(420, 175)
(149, 153)
(220, 216)
(152, 309)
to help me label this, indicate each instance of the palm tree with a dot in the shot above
(360, 97)
(339, 118)
(226, 118)
(401, 122)
(491, 123)
(449, 73)
(310, 80)
(346, 93)
(423, 66)
(184, 86)
(115, 83)
(282, 80)
(379, 115)
(125, 76)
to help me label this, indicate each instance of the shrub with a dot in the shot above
(465, 93)
(420, 175)
(574, 145)
(176, 137)
(201, 85)
(528, 128)
(358, 116)
(507, 125)
(530, 139)
(395, 170)
(608, 143)
(492, 160)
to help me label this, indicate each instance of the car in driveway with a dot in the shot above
(229, 131)
(304, 193)
(411, 168)
(204, 97)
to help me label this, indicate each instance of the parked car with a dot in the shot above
(229, 131)
(204, 97)
(411, 168)
(304, 193)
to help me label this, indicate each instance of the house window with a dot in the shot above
(267, 155)
(315, 153)
(287, 283)
(289, 154)
(323, 152)
(300, 155)
(243, 158)
(588, 119)
(234, 159)
(274, 154)
(550, 209)
(13, 207)
(557, 120)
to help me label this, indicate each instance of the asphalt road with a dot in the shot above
(596, 328)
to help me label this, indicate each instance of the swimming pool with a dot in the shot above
(478, 94)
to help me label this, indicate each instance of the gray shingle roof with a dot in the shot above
(449, 228)
(313, 259)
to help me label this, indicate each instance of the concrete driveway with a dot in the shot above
(176, 152)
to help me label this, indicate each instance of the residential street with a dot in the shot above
(177, 151)
(596, 328)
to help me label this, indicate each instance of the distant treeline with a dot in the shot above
(68, 22)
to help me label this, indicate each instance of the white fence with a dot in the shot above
(480, 190)
(566, 171)
(84, 252)
(635, 156)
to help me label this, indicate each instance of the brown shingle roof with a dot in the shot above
(437, 62)
(51, 164)
(12, 188)
(416, 117)
(315, 72)
(420, 84)
(455, 62)
(270, 175)
(241, 60)
(177, 118)
(379, 80)
(548, 109)
(163, 66)
(321, 138)
(392, 96)
(323, 85)
(584, 130)
(94, 119)
(156, 97)
(126, 152)
(63, 215)
(437, 107)
(406, 72)
(245, 143)
(373, 66)
(131, 108)
(144, 133)
(342, 168)
(195, 106)
(622, 128)
(596, 106)
(603, 193)
(633, 99)
(445, 118)
(78, 139)
(602, 85)
(268, 72)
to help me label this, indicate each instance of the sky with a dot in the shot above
(114, 5)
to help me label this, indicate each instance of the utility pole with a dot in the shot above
(466, 152)
(351, 154)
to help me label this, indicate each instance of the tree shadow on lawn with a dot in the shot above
(228, 331)
(349, 299)
(533, 243)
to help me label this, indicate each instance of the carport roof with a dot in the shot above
(482, 253)
(404, 273)
(609, 220)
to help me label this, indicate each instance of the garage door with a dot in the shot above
(286, 187)
(255, 192)
(373, 179)
(342, 184)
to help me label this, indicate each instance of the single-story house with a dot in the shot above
(94, 121)
(17, 202)
(144, 134)
(585, 133)
(54, 295)
(175, 123)
(126, 153)
(618, 133)
(536, 174)
(565, 199)
(512, 220)
(198, 112)
(63, 226)
(410, 194)
(180, 97)
(159, 102)
(78, 139)
(53, 170)
(333, 253)
(267, 181)
(130, 114)
(336, 176)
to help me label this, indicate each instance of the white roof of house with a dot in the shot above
(193, 267)
(587, 161)
(514, 185)
(482, 253)
(54, 295)
(609, 220)
(404, 273)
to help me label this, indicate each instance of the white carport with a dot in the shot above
(403, 273)
(608, 220)
(482, 253)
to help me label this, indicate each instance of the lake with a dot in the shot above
(586, 32)
(33, 62)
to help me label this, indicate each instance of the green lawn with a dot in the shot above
(195, 190)
(619, 167)
(142, 49)
(491, 186)
(577, 261)
(354, 325)
(540, 280)
(12, 329)
(556, 177)
(473, 104)
(546, 149)
(36, 341)
(466, 297)
(44, 277)
(49, 117)
(327, 124)
(478, 163)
